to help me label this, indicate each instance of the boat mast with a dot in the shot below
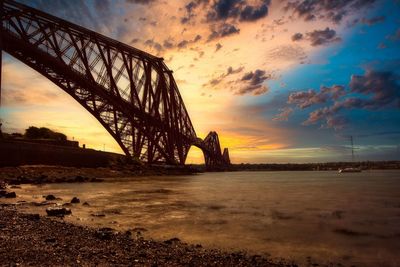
(352, 148)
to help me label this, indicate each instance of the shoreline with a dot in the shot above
(31, 239)
(46, 174)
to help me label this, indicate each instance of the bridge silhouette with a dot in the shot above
(131, 93)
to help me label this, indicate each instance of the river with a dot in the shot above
(351, 218)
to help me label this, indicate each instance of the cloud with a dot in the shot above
(251, 13)
(382, 86)
(332, 10)
(152, 44)
(321, 37)
(297, 37)
(305, 99)
(190, 8)
(230, 71)
(142, 2)
(284, 114)
(252, 83)
(222, 30)
(377, 90)
(237, 10)
(373, 21)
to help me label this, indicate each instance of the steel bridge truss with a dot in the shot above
(131, 93)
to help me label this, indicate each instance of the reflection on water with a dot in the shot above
(350, 218)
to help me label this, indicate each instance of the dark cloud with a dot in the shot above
(252, 83)
(142, 2)
(372, 91)
(383, 87)
(297, 37)
(333, 10)
(251, 13)
(305, 99)
(213, 82)
(183, 44)
(222, 30)
(373, 21)
(135, 40)
(168, 44)
(237, 9)
(321, 37)
(190, 10)
(152, 44)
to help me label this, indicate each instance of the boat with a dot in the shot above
(349, 170)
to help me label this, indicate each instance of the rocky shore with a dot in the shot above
(43, 174)
(31, 239)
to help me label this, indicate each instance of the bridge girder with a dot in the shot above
(131, 93)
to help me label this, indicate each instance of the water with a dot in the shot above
(352, 218)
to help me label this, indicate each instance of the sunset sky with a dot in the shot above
(280, 81)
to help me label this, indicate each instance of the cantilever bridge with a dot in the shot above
(131, 93)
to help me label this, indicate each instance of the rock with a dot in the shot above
(50, 240)
(43, 203)
(58, 211)
(104, 233)
(75, 200)
(50, 197)
(67, 204)
(79, 179)
(3, 185)
(139, 229)
(98, 215)
(85, 204)
(172, 241)
(32, 217)
(11, 195)
(3, 193)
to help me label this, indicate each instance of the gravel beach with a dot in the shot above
(30, 239)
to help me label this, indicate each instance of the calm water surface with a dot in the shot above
(349, 218)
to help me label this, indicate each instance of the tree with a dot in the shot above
(43, 133)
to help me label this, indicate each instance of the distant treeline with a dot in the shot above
(39, 133)
(365, 165)
(316, 166)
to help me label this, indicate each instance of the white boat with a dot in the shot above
(350, 170)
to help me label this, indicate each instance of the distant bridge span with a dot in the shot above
(131, 93)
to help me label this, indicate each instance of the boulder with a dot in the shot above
(50, 197)
(3, 193)
(11, 195)
(75, 200)
(58, 211)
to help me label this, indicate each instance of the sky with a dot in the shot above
(280, 81)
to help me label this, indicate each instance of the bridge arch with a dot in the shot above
(131, 93)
